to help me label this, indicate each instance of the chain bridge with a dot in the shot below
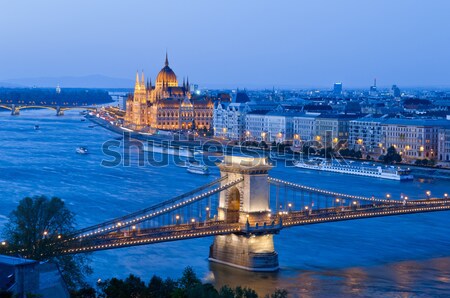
(240, 212)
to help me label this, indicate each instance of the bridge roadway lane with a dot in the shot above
(300, 218)
(149, 236)
(289, 219)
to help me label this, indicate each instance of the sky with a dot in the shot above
(223, 43)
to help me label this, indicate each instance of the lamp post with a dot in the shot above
(428, 194)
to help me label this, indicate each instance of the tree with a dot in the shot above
(85, 292)
(189, 279)
(131, 287)
(278, 294)
(38, 222)
(392, 156)
(226, 292)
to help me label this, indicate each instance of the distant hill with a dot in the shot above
(91, 81)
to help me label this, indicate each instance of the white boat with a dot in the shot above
(178, 151)
(387, 172)
(82, 150)
(198, 169)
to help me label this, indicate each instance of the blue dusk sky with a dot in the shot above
(224, 43)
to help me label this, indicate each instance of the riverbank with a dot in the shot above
(207, 145)
(214, 146)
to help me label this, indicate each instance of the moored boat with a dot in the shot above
(386, 172)
(178, 151)
(198, 169)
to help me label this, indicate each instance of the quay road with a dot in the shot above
(136, 236)
(200, 143)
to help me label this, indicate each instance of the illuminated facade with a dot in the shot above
(412, 138)
(166, 105)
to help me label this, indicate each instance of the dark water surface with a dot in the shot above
(404, 256)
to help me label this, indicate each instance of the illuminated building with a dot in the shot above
(414, 138)
(166, 105)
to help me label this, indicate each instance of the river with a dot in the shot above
(404, 256)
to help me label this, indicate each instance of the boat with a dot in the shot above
(281, 157)
(198, 169)
(386, 172)
(171, 150)
(36, 127)
(82, 150)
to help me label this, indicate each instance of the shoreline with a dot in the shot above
(418, 172)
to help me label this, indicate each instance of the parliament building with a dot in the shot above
(166, 105)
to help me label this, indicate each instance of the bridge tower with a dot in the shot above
(59, 112)
(246, 204)
(14, 110)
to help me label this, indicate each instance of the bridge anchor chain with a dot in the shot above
(246, 203)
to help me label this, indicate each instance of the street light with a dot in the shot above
(445, 195)
(428, 194)
(388, 196)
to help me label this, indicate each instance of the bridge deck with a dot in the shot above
(212, 228)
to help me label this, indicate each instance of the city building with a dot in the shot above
(229, 118)
(166, 105)
(304, 129)
(413, 138)
(269, 126)
(333, 129)
(395, 91)
(337, 89)
(366, 134)
(29, 278)
(373, 89)
(444, 144)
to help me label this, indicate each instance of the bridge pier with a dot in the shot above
(247, 204)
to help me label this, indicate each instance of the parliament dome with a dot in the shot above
(167, 76)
